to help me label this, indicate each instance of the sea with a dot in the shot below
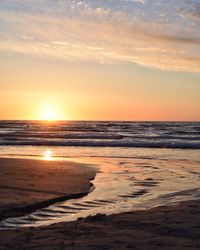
(141, 164)
(180, 135)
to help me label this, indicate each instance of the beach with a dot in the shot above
(99, 124)
(55, 196)
(175, 226)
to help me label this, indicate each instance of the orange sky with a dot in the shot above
(92, 92)
(91, 60)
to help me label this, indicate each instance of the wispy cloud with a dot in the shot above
(151, 33)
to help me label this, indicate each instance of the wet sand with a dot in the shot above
(27, 184)
(176, 227)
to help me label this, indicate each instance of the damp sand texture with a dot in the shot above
(26, 184)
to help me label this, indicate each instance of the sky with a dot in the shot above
(100, 59)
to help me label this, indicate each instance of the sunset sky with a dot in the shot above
(100, 59)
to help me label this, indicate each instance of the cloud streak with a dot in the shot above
(145, 32)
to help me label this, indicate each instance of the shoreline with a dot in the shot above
(165, 227)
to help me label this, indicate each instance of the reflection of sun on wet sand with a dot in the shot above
(26, 182)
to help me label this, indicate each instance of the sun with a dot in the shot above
(50, 113)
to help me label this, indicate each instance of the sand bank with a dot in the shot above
(175, 227)
(27, 184)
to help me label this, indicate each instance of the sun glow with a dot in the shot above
(50, 113)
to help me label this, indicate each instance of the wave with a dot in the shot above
(89, 143)
(183, 135)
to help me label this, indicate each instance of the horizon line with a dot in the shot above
(94, 120)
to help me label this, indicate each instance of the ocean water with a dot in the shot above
(182, 135)
(141, 164)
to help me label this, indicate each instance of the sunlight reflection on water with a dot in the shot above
(47, 155)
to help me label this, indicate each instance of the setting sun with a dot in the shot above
(50, 113)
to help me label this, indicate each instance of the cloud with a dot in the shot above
(192, 13)
(128, 31)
